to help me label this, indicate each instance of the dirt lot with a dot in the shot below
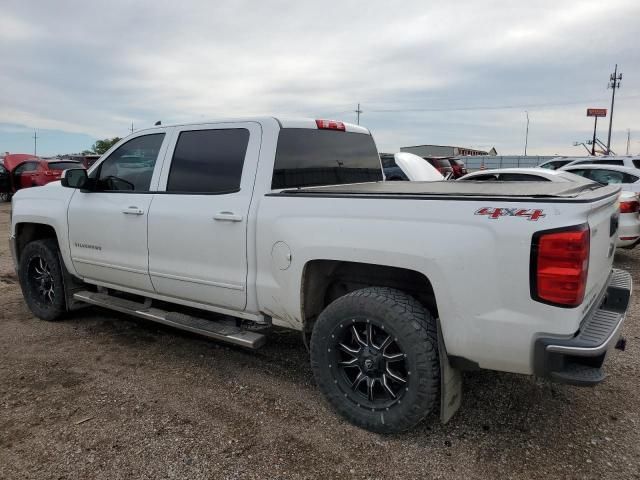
(102, 395)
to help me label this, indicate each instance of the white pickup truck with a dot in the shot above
(230, 227)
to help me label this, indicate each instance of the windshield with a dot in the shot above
(308, 157)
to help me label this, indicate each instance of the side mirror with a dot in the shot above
(74, 178)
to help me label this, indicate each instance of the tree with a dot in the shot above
(102, 146)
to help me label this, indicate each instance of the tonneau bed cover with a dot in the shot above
(539, 191)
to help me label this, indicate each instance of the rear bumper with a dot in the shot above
(578, 360)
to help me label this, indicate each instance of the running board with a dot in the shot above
(207, 328)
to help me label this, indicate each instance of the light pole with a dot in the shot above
(526, 137)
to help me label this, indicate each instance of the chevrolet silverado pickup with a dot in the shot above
(229, 228)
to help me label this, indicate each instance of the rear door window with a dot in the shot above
(607, 177)
(608, 162)
(208, 161)
(522, 177)
(308, 157)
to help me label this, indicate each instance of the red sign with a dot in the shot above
(596, 112)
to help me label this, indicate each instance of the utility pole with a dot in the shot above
(131, 127)
(358, 112)
(614, 82)
(526, 137)
(628, 139)
(593, 143)
(35, 143)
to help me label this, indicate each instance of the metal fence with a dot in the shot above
(503, 161)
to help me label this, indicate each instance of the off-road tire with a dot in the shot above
(398, 314)
(46, 307)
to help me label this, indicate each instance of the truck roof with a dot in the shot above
(283, 122)
(510, 191)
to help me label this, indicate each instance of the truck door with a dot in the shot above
(198, 225)
(108, 225)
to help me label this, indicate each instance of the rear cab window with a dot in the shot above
(308, 157)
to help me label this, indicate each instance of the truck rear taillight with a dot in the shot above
(559, 266)
(629, 207)
(330, 125)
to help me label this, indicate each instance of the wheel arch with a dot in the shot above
(323, 281)
(27, 232)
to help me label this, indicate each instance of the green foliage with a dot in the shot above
(102, 146)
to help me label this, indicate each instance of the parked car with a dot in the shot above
(407, 166)
(5, 184)
(555, 163)
(631, 162)
(442, 164)
(629, 228)
(522, 175)
(459, 168)
(294, 228)
(26, 171)
(627, 178)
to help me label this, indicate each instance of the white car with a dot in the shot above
(620, 161)
(629, 223)
(522, 175)
(396, 286)
(627, 178)
(629, 229)
(407, 166)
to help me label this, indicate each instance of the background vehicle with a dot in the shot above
(629, 229)
(555, 163)
(5, 184)
(286, 222)
(627, 178)
(459, 169)
(441, 164)
(26, 171)
(631, 162)
(407, 166)
(522, 175)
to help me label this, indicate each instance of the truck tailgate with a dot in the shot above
(603, 224)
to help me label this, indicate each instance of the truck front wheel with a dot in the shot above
(374, 354)
(41, 279)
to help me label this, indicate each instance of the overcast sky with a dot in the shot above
(451, 73)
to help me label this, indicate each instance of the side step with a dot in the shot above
(580, 375)
(208, 328)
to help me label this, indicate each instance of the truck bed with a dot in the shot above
(513, 191)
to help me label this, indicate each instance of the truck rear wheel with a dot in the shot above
(41, 279)
(374, 354)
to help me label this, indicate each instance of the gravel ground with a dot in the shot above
(102, 395)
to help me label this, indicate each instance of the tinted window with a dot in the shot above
(64, 165)
(439, 162)
(636, 163)
(607, 176)
(307, 157)
(130, 166)
(208, 161)
(522, 177)
(26, 167)
(581, 172)
(555, 165)
(388, 161)
(608, 162)
(482, 178)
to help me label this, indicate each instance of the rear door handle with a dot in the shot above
(227, 217)
(133, 211)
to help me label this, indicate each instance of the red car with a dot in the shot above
(441, 164)
(459, 169)
(26, 171)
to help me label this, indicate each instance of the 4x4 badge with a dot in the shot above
(495, 212)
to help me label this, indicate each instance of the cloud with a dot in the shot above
(93, 69)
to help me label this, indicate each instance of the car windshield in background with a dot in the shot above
(64, 165)
(307, 157)
(442, 162)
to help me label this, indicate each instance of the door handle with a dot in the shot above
(133, 211)
(227, 217)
